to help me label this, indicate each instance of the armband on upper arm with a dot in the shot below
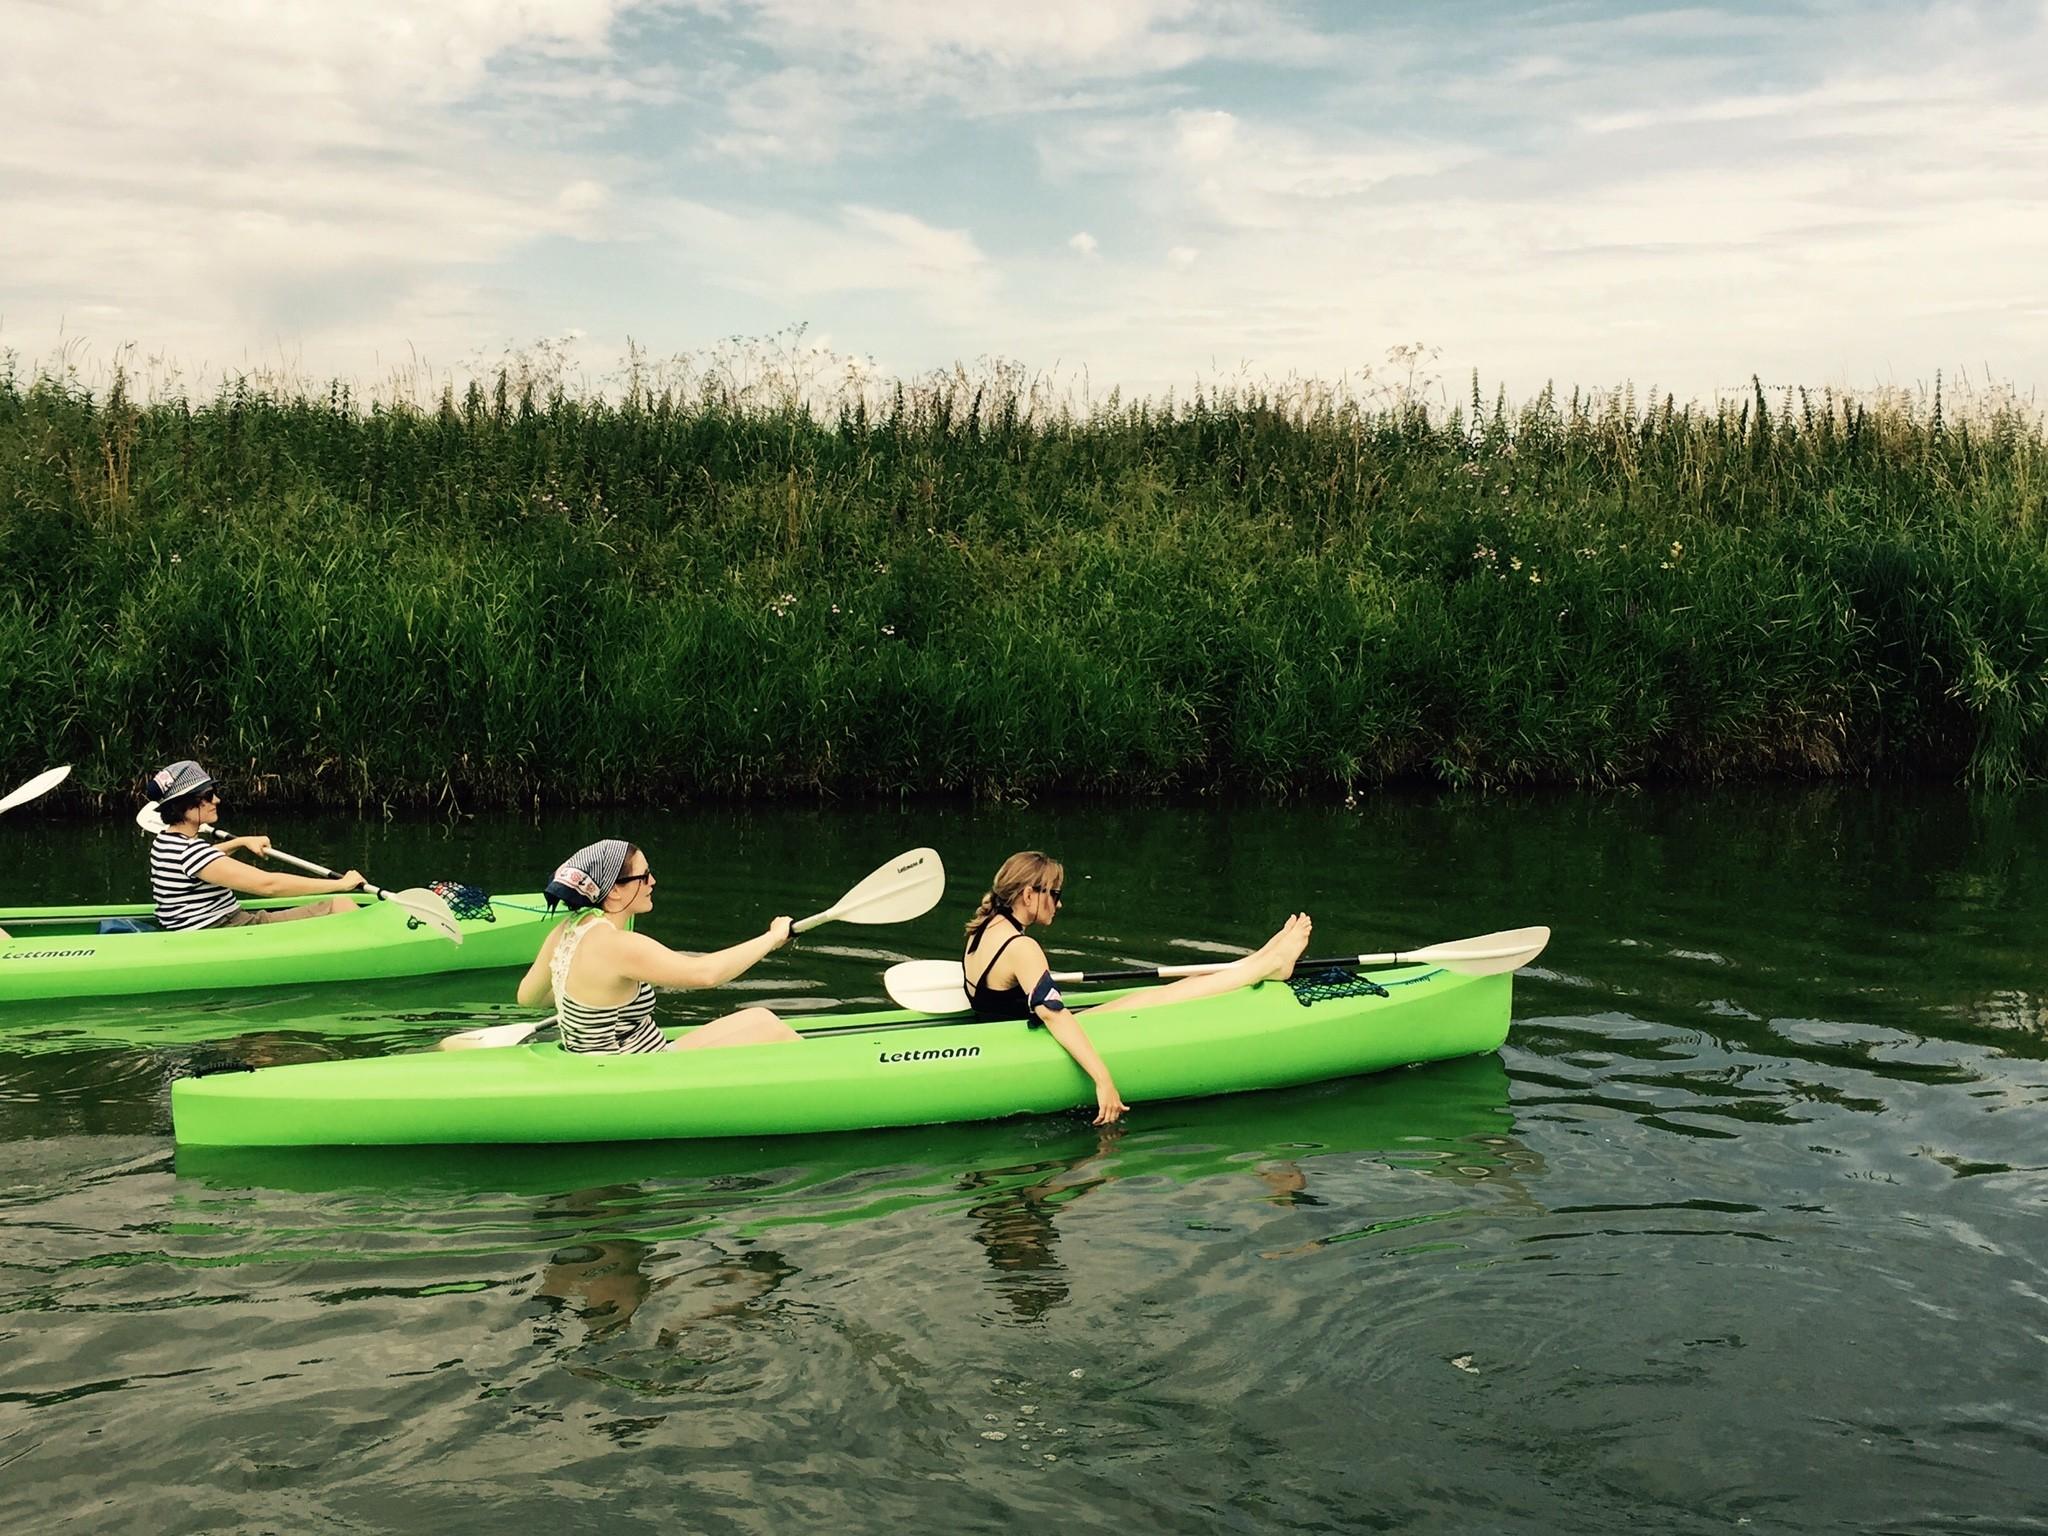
(1046, 995)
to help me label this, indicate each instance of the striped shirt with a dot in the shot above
(626, 1028)
(183, 900)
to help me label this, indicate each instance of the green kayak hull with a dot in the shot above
(850, 1072)
(59, 952)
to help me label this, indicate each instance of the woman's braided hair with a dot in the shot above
(1020, 872)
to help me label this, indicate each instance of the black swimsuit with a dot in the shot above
(997, 1002)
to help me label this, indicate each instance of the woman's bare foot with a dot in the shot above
(1277, 957)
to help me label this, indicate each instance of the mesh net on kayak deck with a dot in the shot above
(1334, 982)
(470, 903)
(212, 1063)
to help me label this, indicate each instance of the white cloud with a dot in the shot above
(1215, 169)
(1681, 198)
(303, 169)
(795, 258)
(1867, 223)
(847, 67)
(787, 114)
(1063, 37)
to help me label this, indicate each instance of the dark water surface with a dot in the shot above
(1743, 1229)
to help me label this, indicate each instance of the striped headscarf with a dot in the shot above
(587, 876)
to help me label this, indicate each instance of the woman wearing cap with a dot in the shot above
(195, 881)
(1009, 977)
(602, 976)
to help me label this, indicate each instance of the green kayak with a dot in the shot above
(856, 1071)
(60, 952)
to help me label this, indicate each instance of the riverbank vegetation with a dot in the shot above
(520, 594)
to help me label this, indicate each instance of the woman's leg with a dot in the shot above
(329, 908)
(1272, 961)
(750, 1026)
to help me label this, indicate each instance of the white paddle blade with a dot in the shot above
(149, 819)
(927, 986)
(41, 784)
(492, 1036)
(908, 886)
(430, 909)
(1489, 954)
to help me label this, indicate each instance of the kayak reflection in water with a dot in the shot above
(1009, 977)
(602, 977)
(194, 880)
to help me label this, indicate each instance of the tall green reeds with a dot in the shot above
(514, 596)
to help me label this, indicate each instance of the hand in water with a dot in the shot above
(1109, 1104)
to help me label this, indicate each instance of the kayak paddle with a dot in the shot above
(908, 886)
(940, 986)
(417, 902)
(41, 784)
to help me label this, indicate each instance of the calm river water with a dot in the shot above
(1743, 1229)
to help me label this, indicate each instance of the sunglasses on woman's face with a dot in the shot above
(1057, 895)
(645, 874)
(210, 797)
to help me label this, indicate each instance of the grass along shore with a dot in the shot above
(520, 597)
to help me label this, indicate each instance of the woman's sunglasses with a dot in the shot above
(1058, 896)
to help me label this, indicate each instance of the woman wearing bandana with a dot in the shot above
(602, 976)
(1009, 977)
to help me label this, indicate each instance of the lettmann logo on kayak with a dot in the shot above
(50, 954)
(951, 1053)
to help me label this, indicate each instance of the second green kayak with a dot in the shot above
(60, 952)
(855, 1071)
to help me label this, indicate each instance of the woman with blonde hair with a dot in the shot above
(1009, 977)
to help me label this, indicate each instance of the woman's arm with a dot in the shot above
(640, 958)
(538, 984)
(251, 881)
(1031, 970)
(1061, 1024)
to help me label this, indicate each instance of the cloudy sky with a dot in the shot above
(1137, 193)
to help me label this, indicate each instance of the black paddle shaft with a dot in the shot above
(1153, 973)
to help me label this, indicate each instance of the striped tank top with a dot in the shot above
(626, 1028)
(183, 900)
